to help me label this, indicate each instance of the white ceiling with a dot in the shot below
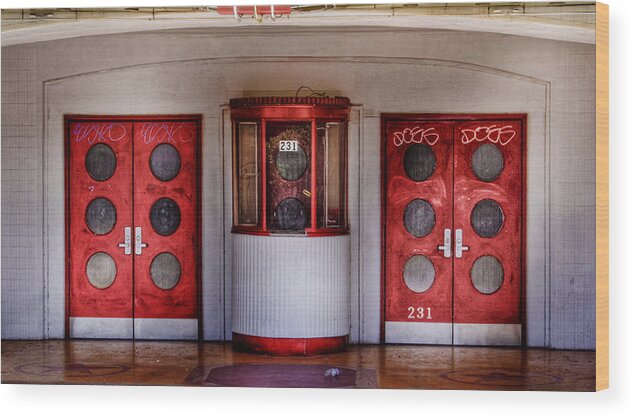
(572, 22)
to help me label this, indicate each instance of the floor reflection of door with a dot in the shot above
(452, 230)
(132, 221)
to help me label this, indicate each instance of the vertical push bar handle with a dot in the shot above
(459, 246)
(446, 247)
(127, 241)
(138, 241)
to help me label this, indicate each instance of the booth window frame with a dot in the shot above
(242, 113)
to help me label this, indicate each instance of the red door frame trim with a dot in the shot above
(454, 117)
(196, 118)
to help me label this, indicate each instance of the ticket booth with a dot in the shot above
(291, 243)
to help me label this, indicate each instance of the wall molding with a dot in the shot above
(51, 197)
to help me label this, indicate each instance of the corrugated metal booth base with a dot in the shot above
(291, 287)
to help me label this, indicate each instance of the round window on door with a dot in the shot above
(419, 162)
(165, 216)
(419, 218)
(165, 271)
(165, 162)
(487, 162)
(101, 162)
(101, 270)
(487, 218)
(101, 216)
(419, 273)
(487, 274)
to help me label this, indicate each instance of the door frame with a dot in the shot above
(454, 117)
(196, 118)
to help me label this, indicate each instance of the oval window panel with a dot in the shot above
(419, 273)
(165, 271)
(165, 162)
(101, 270)
(101, 162)
(419, 218)
(419, 162)
(165, 216)
(101, 216)
(487, 218)
(487, 162)
(487, 274)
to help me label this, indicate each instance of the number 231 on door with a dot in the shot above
(419, 313)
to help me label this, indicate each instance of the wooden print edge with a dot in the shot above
(602, 197)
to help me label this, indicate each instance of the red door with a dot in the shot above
(165, 211)
(488, 212)
(132, 222)
(99, 211)
(452, 231)
(418, 195)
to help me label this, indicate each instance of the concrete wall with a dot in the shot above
(196, 71)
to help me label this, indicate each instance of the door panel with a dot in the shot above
(99, 210)
(165, 199)
(418, 288)
(488, 210)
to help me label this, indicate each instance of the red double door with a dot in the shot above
(132, 240)
(452, 231)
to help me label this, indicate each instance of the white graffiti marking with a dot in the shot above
(416, 135)
(99, 132)
(166, 132)
(501, 135)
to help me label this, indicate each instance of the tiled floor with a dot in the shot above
(362, 366)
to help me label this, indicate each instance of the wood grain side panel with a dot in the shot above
(602, 197)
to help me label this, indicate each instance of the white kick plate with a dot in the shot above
(456, 334)
(418, 333)
(124, 328)
(487, 334)
(100, 328)
(166, 329)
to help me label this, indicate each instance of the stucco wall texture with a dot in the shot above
(381, 71)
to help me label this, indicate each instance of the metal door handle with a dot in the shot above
(138, 241)
(459, 246)
(127, 241)
(446, 248)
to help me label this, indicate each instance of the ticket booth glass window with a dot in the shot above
(332, 145)
(247, 174)
(290, 172)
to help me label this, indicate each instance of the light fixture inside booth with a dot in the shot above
(290, 170)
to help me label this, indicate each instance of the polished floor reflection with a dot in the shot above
(362, 366)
